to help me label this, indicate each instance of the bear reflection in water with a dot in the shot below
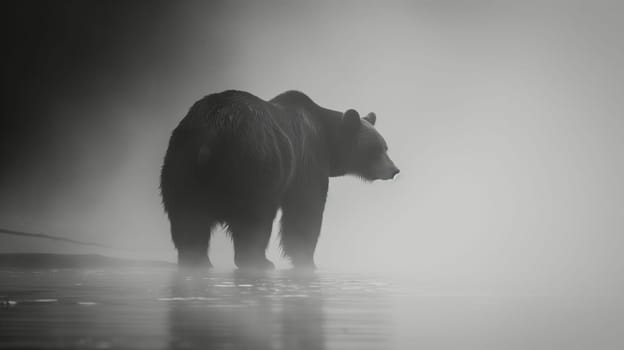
(161, 308)
(247, 312)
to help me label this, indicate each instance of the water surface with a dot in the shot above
(162, 308)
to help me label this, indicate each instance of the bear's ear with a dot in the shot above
(371, 118)
(351, 120)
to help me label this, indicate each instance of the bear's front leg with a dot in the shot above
(302, 216)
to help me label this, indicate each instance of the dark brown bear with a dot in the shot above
(236, 159)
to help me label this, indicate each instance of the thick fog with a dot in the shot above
(505, 119)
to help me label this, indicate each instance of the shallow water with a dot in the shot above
(162, 308)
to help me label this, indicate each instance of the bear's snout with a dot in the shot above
(396, 172)
(392, 173)
(385, 169)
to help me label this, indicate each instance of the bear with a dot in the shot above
(236, 159)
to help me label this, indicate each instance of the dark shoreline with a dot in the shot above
(60, 261)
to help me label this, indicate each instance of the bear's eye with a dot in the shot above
(372, 149)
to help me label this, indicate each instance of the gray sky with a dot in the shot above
(505, 119)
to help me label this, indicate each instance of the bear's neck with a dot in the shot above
(327, 131)
(337, 154)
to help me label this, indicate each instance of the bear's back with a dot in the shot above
(225, 109)
(233, 144)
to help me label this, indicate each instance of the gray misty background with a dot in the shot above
(505, 119)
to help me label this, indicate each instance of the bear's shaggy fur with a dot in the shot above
(236, 159)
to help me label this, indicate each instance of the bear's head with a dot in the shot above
(367, 152)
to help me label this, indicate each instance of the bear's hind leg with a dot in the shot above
(251, 237)
(191, 236)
